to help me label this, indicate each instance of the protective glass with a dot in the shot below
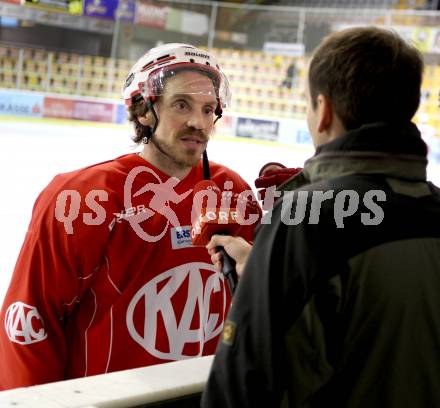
(218, 87)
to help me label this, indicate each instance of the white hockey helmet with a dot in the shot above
(148, 75)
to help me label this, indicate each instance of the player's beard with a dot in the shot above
(181, 158)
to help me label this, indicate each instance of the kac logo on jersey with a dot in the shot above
(154, 307)
(24, 324)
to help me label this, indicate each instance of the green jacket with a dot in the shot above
(339, 304)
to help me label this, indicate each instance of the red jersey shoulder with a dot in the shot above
(107, 174)
(95, 189)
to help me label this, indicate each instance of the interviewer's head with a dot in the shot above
(367, 75)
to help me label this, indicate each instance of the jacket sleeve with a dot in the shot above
(251, 365)
(246, 368)
(54, 268)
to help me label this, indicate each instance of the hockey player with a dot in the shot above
(104, 281)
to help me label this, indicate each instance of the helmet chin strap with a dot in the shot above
(206, 169)
(152, 129)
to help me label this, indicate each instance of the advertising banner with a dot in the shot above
(110, 9)
(289, 49)
(226, 126)
(257, 128)
(168, 18)
(120, 114)
(174, 20)
(58, 108)
(12, 1)
(150, 15)
(126, 10)
(94, 111)
(194, 23)
(294, 132)
(9, 22)
(64, 6)
(303, 137)
(21, 104)
(100, 8)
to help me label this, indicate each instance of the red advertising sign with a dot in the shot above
(226, 126)
(150, 15)
(94, 111)
(77, 109)
(58, 108)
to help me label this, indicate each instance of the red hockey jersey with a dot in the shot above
(107, 278)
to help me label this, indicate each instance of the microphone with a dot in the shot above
(209, 218)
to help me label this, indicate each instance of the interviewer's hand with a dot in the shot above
(236, 247)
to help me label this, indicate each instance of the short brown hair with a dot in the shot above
(369, 74)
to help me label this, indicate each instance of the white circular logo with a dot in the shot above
(155, 300)
(24, 324)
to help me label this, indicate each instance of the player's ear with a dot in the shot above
(147, 119)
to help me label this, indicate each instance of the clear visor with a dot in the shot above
(186, 79)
